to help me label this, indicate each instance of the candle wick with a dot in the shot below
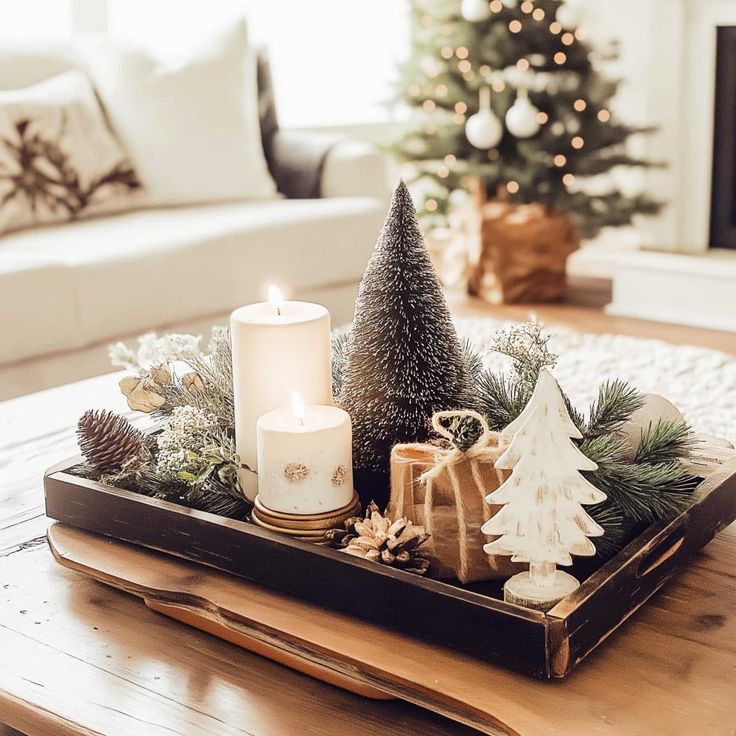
(278, 311)
(301, 421)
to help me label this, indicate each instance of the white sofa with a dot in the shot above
(67, 291)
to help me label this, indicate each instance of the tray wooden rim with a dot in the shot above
(558, 640)
(59, 473)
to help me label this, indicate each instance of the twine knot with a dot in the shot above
(479, 450)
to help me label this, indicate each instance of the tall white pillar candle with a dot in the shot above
(278, 347)
(305, 459)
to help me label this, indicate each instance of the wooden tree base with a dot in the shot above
(308, 527)
(523, 592)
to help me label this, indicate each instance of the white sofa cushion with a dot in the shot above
(190, 126)
(23, 63)
(58, 157)
(72, 285)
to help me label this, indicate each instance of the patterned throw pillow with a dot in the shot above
(58, 158)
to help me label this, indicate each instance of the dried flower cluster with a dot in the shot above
(186, 428)
(296, 472)
(155, 351)
(527, 346)
(185, 446)
(338, 477)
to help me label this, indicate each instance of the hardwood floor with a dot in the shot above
(583, 311)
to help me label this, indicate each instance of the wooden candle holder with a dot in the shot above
(307, 527)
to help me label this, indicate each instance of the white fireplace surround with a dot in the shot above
(697, 69)
(669, 56)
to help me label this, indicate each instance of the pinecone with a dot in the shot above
(107, 440)
(378, 539)
(465, 431)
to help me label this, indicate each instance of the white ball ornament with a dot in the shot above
(569, 15)
(558, 128)
(475, 11)
(431, 65)
(484, 129)
(521, 118)
(458, 197)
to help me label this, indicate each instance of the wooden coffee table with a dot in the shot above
(77, 657)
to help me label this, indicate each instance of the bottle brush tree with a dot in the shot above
(404, 360)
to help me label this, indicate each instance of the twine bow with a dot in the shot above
(480, 450)
(483, 450)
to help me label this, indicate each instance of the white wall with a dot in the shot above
(649, 34)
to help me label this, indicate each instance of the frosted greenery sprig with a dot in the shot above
(192, 460)
(527, 346)
(186, 428)
(155, 351)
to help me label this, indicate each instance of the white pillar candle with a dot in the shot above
(305, 462)
(278, 347)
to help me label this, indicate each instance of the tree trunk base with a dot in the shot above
(521, 254)
(521, 591)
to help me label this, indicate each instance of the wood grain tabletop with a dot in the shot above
(77, 657)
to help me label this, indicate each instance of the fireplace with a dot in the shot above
(688, 274)
(723, 190)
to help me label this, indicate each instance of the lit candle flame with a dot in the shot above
(297, 407)
(276, 298)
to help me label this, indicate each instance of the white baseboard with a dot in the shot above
(683, 289)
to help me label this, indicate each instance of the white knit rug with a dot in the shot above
(700, 382)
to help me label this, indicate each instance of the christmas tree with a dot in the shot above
(543, 521)
(404, 360)
(507, 92)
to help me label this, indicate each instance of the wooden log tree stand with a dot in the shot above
(518, 251)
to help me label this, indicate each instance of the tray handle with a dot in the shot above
(664, 555)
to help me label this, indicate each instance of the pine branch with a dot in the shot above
(502, 398)
(664, 442)
(217, 498)
(646, 492)
(614, 527)
(641, 492)
(577, 418)
(616, 402)
(473, 360)
(605, 450)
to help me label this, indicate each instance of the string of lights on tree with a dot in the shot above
(509, 93)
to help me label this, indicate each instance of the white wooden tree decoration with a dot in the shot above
(543, 521)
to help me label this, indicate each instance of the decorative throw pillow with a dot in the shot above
(58, 158)
(191, 126)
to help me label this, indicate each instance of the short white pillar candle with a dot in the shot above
(278, 347)
(305, 463)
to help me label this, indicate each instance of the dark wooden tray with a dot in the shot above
(542, 645)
